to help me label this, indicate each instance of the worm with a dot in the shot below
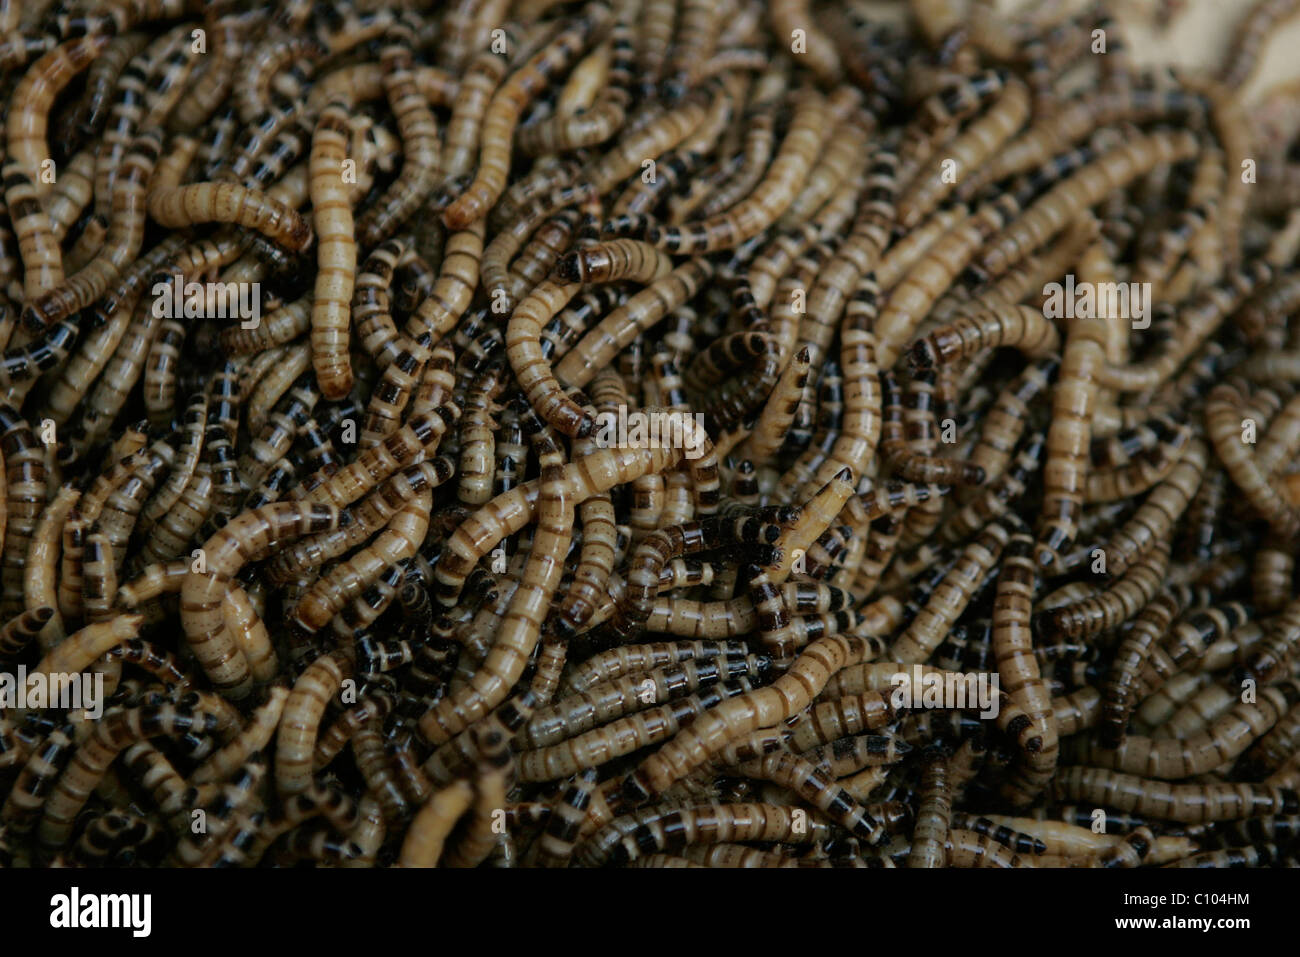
(628, 837)
(400, 539)
(1065, 472)
(932, 816)
(1251, 38)
(172, 205)
(1223, 426)
(622, 324)
(336, 253)
(968, 151)
(522, 625)
(419, 141)
(122, 244)
(1017, 666)
(37, 245)
(951, 597)
(760, 708)
(25, 128)
(201, 595)
(769, 199)
(1188, 803)
(503, 113)
(1112, 170)
(602, 118)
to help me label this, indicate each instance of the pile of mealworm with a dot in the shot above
(314, 319)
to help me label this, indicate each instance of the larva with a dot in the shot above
(1223, 427)
(612, 261)
(948, 601)
(35, 93)
(1197, 319)
(336, 254)
(1188, 803)
(620, 326)
(504, 110)
(1135, 649)
(763, 707)
(1110, 171)
(25, 496)
(1020, 327)
(371, 708)
(525, 617)
(933, 814)
(1115, 605)
(506, 288)
(617, 662)
(72, 193)
(794, 18)
(1226, 737)
(770, 198)
(110, 737)
(1068, 457)
(1251, 38)
(897, 445)
(759, 139)
(1013, 651)
(419, 141)
(125, 234)
(174, 206)
(1257, 317)
(201, 595)
(967, 152)
(817, 788)
(999, 497)
(1141, 473)
(1269, 659)
(626, 838)
(400, 539)
(37, 245)
(597, 122)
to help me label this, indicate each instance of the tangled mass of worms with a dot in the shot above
(981, 555)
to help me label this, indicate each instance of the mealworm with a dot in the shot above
(598, 122)
(525, 617)
(335, 254)
(1223, 425)
(503, 113)
(36, 91)
(947, 602)
(1251, 38)
(626, 838)
(1013, 650)
(769, 199)
(1189, 803)
(967, 152)
(1110, 171)
(1115, 605)
(37, 245)
(932, 816)
(419, 140)
(760, 708)
(174, 206)
(246, 535)
(399, 540)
